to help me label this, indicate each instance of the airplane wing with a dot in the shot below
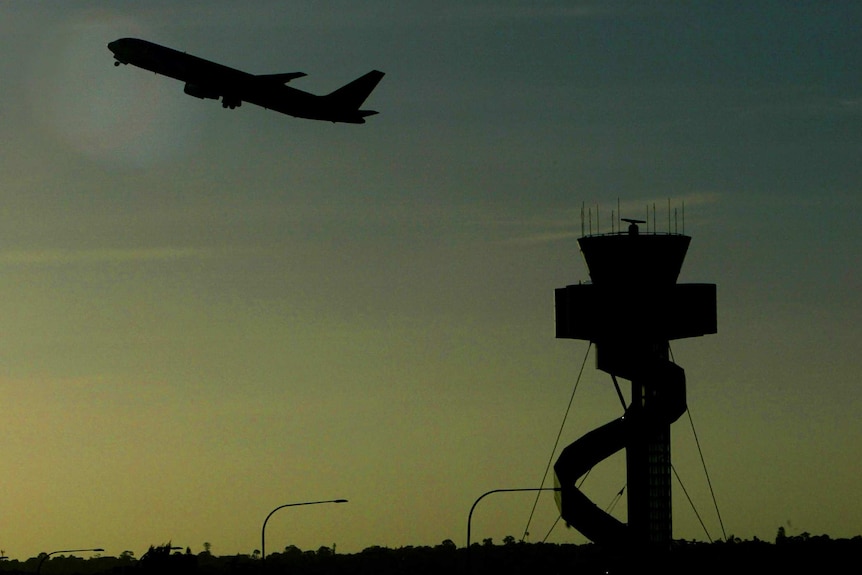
(282, 78)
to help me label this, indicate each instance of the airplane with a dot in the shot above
(204, 79)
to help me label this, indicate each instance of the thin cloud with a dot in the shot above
(544, 238)
(100, 256)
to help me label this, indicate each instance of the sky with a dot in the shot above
(208, 313)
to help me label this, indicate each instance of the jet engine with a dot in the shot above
(200, 92)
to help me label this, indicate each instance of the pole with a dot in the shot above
(46, 555)
(470, 515)
(263, 529)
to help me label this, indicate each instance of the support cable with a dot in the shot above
(706, 472)
(691, 503)
(619, 391)
(702, 460)
(548, 534)
(609, 509)
(557, 520)
(556, 442)
(615, 500)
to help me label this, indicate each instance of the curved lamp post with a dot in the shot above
(470, 516)
(46, 555)
(263, 529)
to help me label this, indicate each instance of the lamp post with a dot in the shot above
(263, 529)
(470, 515)
(46, 555)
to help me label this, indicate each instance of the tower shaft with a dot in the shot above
(648, 479)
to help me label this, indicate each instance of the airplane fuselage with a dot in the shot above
(206, 79)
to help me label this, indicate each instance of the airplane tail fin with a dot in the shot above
(352, 95)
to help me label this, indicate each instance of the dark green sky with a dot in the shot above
(209, 313)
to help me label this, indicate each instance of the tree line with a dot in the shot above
(800, 554)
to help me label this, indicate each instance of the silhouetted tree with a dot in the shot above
(158, 559)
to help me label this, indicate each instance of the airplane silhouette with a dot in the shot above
(205, 79)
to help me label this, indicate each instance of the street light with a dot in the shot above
(470, 516)
(263, 529)
(46, 555)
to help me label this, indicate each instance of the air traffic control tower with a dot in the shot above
(631, 310)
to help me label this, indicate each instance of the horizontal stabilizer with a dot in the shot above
(282, 78)
(352, 95)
